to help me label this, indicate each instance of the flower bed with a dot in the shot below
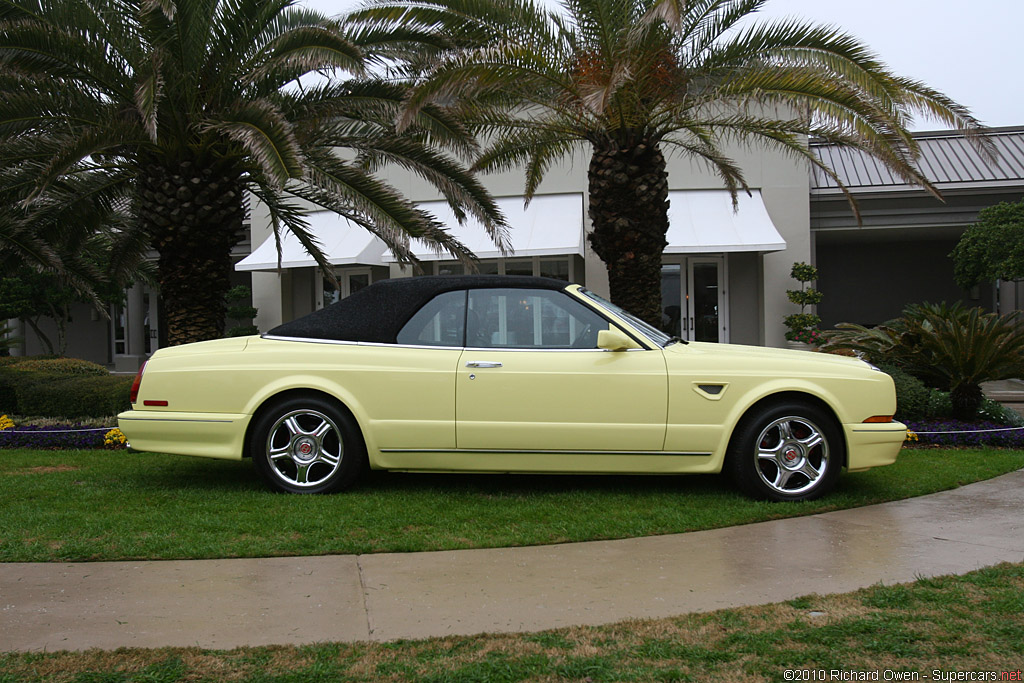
(58, 436)
(958, 433)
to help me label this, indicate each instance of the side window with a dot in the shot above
(530, 319)
(441, 322)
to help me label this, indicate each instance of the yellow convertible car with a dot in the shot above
(509, 374)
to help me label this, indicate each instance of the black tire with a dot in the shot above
(307, 444)
(786, 452)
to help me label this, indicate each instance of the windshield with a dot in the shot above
(652, 333)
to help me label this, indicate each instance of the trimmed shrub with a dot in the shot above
(73, 396)
(60, 366)
(914, 400)
(6, 361)
(26, 392)
(8, 396)
(993, 411)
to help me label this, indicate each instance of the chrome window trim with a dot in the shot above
(343, 342)
(575, 290)
(491, 349)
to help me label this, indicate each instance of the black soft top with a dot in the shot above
(378, 312)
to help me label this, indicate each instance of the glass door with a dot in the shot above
(693, 299)
(351, 280)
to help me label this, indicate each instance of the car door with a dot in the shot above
(532, 378)
(409, 388)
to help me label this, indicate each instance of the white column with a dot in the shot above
(134, 333)
(17, 326)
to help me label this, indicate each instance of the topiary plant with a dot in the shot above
(240, 309)
(803, 325)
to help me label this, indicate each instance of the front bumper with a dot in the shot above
(207, 435)
(873, 445)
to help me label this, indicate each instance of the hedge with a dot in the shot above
(62, 387)
(59, 366)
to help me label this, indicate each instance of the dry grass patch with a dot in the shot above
(44, 469)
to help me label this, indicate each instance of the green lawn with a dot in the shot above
(115, 505)
(971, 623)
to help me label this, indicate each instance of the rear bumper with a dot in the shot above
(207, 435)
(873, 445)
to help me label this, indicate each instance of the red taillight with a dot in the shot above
(879, 419)
(134, 394)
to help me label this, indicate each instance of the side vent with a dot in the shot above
(710, 390)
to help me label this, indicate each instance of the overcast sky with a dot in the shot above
(970, 51)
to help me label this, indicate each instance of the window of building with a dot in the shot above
(557, 267)
(351, 281)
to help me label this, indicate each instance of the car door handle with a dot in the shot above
(483, 364)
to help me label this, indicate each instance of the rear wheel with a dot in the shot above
(307, 445)
(790, 451)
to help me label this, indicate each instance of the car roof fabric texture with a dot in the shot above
(378, 312)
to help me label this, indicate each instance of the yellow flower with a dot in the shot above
(6, 422)
(911, 436)
(114, 439)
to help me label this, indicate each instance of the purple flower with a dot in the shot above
(53, 437)
(949, 432)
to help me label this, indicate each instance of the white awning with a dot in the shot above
(344, 243)
(552, 225)
(704, 221)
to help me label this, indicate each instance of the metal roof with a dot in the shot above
(947, 159)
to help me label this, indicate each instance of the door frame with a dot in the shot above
(687, 264)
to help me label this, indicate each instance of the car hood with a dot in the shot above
(766, 353)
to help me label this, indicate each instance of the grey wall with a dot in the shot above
(88, 335)
(869, 283)
(745, 299)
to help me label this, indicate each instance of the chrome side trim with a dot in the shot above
(169, 419)
(527, 451)
(879, 431)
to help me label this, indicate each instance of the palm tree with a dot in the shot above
(953, 348)
(187, 106)
(78, 233)
(630, 80)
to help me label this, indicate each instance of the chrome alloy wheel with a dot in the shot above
(305, 448)
(792, 455)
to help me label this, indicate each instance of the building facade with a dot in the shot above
(899, 252)
(724, 273)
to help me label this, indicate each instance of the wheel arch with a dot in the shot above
(791, 396)
(268, 402)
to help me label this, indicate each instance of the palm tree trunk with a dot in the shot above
(629, 213)
(193, 213)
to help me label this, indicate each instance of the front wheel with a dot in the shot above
(790, 451)
(307, 445)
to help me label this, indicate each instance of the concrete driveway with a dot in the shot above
(230, 603)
